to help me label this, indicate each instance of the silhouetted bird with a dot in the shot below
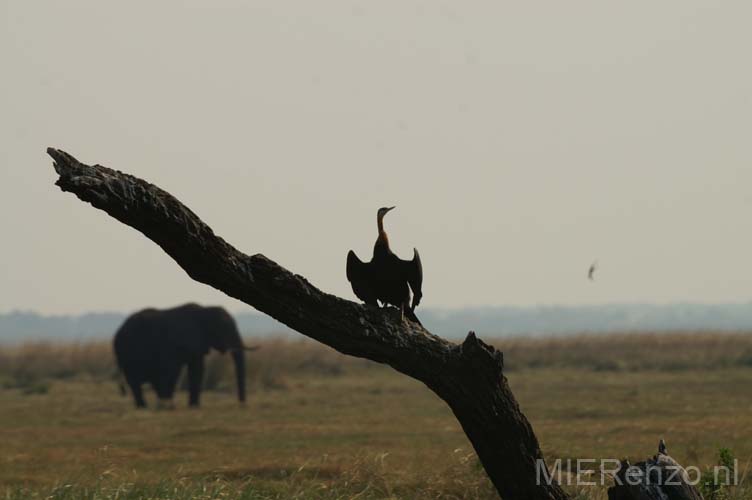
(662, 447)
(387, 278)
(592, 269)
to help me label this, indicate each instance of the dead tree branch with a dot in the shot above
(467, 376)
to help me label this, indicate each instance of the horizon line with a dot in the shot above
(432, 309)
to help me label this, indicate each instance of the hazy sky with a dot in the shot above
(519, 140)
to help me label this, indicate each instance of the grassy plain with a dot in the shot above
(322, 425)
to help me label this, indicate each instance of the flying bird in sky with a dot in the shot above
(591, 271)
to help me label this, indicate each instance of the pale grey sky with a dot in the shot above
(519, 140)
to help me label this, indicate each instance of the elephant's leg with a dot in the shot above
(166, 382)
(138, 394)
(195, 379)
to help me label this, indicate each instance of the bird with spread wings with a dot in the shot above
(387, 278)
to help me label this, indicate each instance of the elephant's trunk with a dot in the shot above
(238, 357)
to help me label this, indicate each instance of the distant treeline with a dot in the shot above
(451, 323)
(28, 326)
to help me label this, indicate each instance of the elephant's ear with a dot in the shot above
(222, 331)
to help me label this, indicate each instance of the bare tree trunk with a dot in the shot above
(467, 376)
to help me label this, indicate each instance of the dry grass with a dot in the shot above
(321, 425)
(279, 359)
(39, 363)
(631, 351)
(37, 360)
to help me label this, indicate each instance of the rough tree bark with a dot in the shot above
(467, 376)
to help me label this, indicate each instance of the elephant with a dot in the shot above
(152, 346)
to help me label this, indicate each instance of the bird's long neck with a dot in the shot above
(382, 240)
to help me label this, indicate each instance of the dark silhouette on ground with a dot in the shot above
(152, 346)
(657, 478)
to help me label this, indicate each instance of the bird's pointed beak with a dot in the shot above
(390, 209)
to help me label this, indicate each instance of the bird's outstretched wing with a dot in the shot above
(413, 270)
(360, 276)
